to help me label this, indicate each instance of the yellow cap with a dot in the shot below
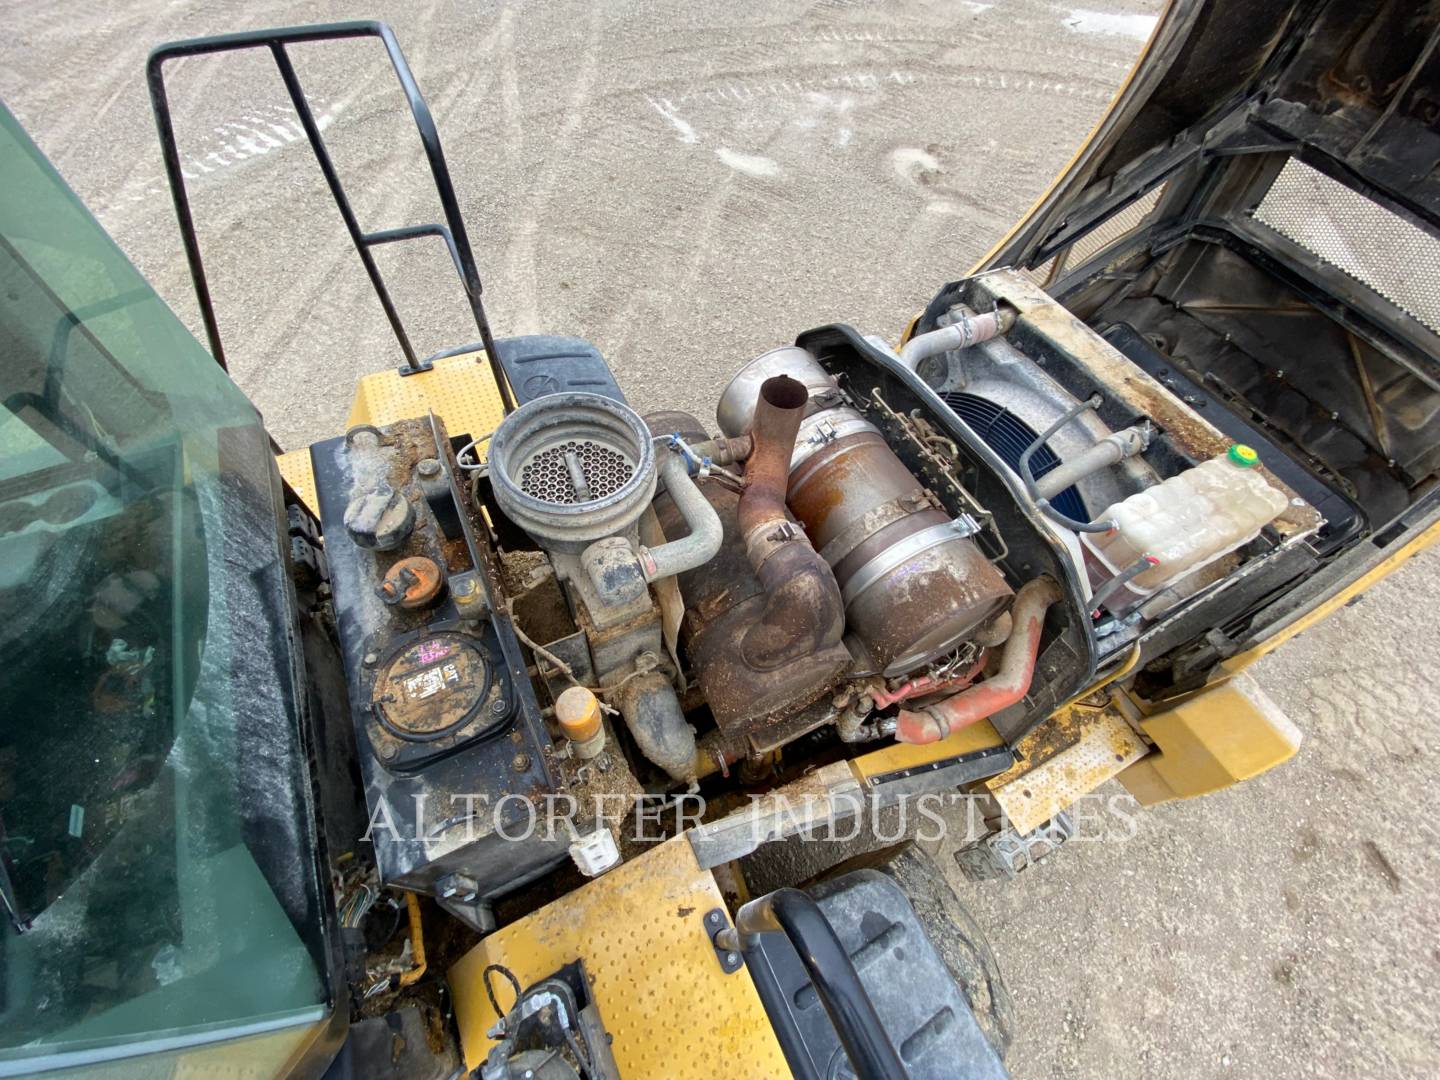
(579, 714)
(1243, 455)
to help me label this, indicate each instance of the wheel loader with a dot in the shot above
(452, 744)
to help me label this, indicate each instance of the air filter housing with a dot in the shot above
(573, 468)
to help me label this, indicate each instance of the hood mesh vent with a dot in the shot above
(1377, 247)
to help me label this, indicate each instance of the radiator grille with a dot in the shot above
(1008, 436)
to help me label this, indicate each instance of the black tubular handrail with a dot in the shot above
(457, 240)
(837, 984)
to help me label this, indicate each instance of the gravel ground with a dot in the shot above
(686, 187)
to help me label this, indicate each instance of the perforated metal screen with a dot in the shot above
(1102, 236)
(1377, 247)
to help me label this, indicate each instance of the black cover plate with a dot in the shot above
(924, 1012)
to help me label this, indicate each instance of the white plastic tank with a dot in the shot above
(1188, 520)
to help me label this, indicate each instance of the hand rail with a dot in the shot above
(457, 240)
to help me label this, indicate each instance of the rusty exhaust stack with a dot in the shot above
(1007, 686)
(804, 613)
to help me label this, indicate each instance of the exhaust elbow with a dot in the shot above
(803, 612)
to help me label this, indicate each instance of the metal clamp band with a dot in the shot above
(911, 502)
(822, 428)
(902, 551)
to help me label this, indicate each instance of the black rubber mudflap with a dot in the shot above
(540, 364)
(923, 1009)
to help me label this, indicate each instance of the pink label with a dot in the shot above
(427, 652)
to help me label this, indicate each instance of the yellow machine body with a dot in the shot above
(673, 1011)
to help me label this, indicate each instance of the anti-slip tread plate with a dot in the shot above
(673, 1012)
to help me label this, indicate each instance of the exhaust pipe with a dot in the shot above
(803, 613)
(1007, 686)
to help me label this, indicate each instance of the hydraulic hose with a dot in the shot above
(1009, 684)
(1043, 504)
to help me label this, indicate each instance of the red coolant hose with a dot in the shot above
(1007, 686)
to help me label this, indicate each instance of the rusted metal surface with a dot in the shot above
(1002, 689)
(859, 504)
(413, 582)
(724, 599)
(802, 614)
(777, 420)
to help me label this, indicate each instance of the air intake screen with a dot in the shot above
(1400, 261)
(1008, 436)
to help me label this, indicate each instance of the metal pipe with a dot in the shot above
(1042, 503)
(706, 532)
(803, 611)
(928, 684)
(1111, 450)
(832, 973)
(723, 449)
(968, 330)
(1008, 685)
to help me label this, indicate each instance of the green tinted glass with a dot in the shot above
(158, 866)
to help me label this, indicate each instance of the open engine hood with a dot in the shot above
(1349, 87)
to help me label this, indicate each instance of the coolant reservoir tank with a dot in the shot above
(1188, 520)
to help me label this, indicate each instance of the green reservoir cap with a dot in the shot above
(1243, 456)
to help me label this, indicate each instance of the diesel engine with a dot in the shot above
(868, 546)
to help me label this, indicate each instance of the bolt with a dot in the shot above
(371, 659)
(387, 752)
(713, 918)
(428, 467)
(732, 958)
(520, 762)
(498, 706)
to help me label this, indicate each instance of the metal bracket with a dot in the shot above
(965, 525)
(715, 923)
(824, 432)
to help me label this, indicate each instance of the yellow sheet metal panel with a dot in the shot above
(898, 756)
(673, 1013)
(1104, 746)
(1212, 740)
(295, 467)
(458, 389)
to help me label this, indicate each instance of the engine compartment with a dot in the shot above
(875, 546)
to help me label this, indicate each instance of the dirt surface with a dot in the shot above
(687, 186)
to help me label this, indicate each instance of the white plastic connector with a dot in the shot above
(595, 852)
